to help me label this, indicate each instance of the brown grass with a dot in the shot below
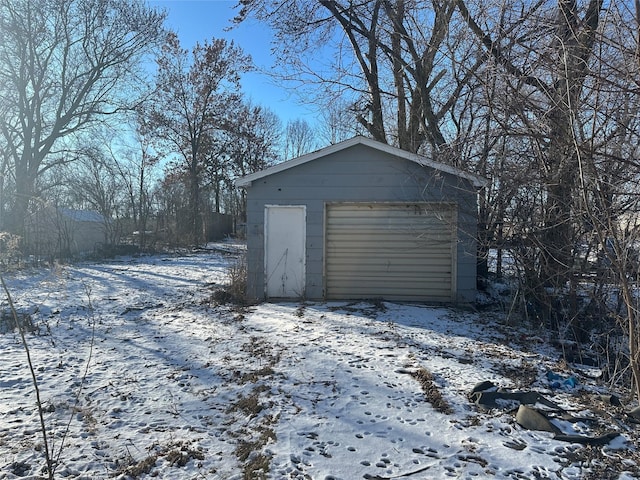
(236, 291)
(249, 405)
(142, 467)
(256, 464)
(434, 397)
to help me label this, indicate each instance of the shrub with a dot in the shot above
(10, 253)
(235, 291)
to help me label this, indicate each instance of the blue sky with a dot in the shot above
(197, 20)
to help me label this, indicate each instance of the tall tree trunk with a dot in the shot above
(367, 60)
(195, 223)
(24, 194)
(575, 37)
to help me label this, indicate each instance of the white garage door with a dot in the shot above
(392, 251)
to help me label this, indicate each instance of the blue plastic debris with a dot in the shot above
(559, 381)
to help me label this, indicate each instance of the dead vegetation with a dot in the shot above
(234, 292)
(177, 454)
(10, 322)
(249, 405)
(523, 375)
(137, 469)
(256, 463)
(431, 391)
(252, 439)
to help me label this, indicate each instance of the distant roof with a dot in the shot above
(82, 215)
(246, 181)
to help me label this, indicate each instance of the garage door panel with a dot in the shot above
(400, 292)
(375, 259)
(381, 222)
(436, 275)
(397, 250)
(404, 267)
(391, 241)
(408, 282)
(394, 251)
(394, 239)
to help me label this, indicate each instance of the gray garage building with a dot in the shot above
(361, 220)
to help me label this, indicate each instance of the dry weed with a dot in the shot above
(434, 397)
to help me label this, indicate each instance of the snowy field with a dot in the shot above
(142, 376)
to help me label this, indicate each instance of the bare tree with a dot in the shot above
(551, 82)
(134, 165)
(607, 183)
(390, 61)
(564, 126)
(250, 144)
(60, 71)
(299, 138)
(608, 156)
(337, 123)
(196, 94)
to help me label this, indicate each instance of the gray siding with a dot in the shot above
(356, 174)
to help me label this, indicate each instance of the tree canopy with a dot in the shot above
(63, 66)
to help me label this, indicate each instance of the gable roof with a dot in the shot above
(82, 215)
(246, 181)
(49, 211)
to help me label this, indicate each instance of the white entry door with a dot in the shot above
(285, 233)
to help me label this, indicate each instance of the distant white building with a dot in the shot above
(63, 232)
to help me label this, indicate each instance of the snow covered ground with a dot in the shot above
(153, 380)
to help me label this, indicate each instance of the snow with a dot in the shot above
(154, 381)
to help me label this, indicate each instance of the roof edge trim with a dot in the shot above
(247, 180)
